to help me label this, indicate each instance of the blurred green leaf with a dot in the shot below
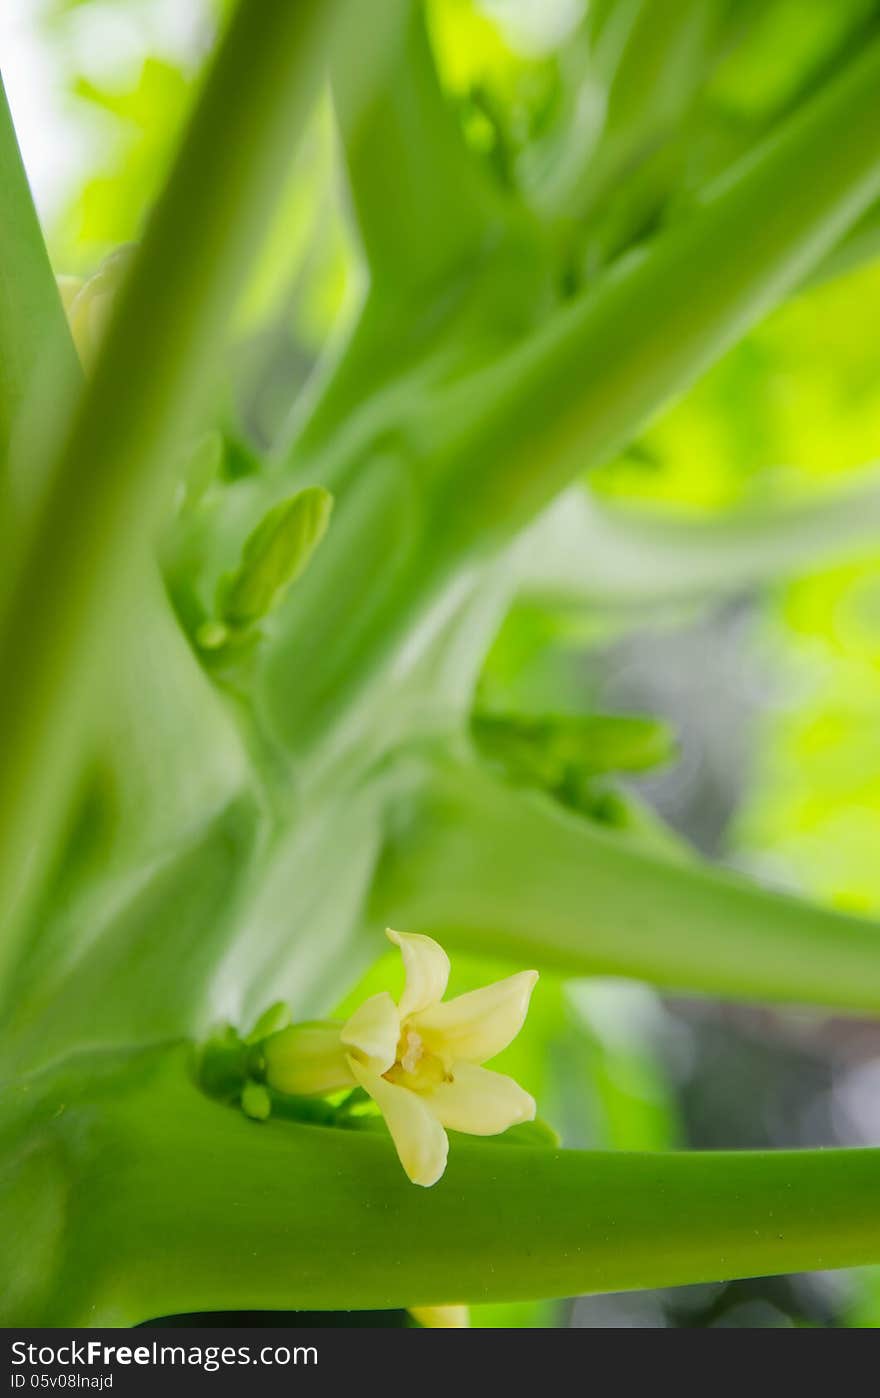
(553, 751)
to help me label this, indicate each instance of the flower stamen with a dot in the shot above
(421, 1060)
(413, 1051)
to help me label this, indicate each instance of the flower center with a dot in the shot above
(413, 1051)
(415, 1067)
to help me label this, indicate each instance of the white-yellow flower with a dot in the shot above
(89, 303)
(420, 1060)
(442, 1317)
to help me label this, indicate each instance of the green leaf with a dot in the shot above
(551, 751)
(33, 331)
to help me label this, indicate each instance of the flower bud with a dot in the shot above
(306, 1059)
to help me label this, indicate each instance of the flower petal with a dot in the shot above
(478, 1025)
(306, 1059)
(480, 1102)
(373, 1031)
(442, 1317)
(427, 970)
(419, 1139)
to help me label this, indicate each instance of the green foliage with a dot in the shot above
(240, 741)
(551, 752)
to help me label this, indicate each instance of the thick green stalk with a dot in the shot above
(422, 201)
(468, 463)
(182, 1204)
(76, 566)
(31, 316)
(589, 551)
(861, 245)
(584, 384)
(435, 231)
(649, 58)
(501, 871)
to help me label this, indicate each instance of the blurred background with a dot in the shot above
(770, 684)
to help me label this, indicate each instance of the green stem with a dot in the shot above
(586, 550)
(433, 227)
(584, 384)
(479, 456)
(182, 1204)
(496, 870)
(861, 245)
(422, 202)
(76, 567)
(650, 58)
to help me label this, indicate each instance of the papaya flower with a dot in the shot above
(421, 1060)
(442, 1317)
(89, 303)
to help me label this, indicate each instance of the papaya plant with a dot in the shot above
(242, 724)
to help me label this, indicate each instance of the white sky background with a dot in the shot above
(59, 137)
(52, 152)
